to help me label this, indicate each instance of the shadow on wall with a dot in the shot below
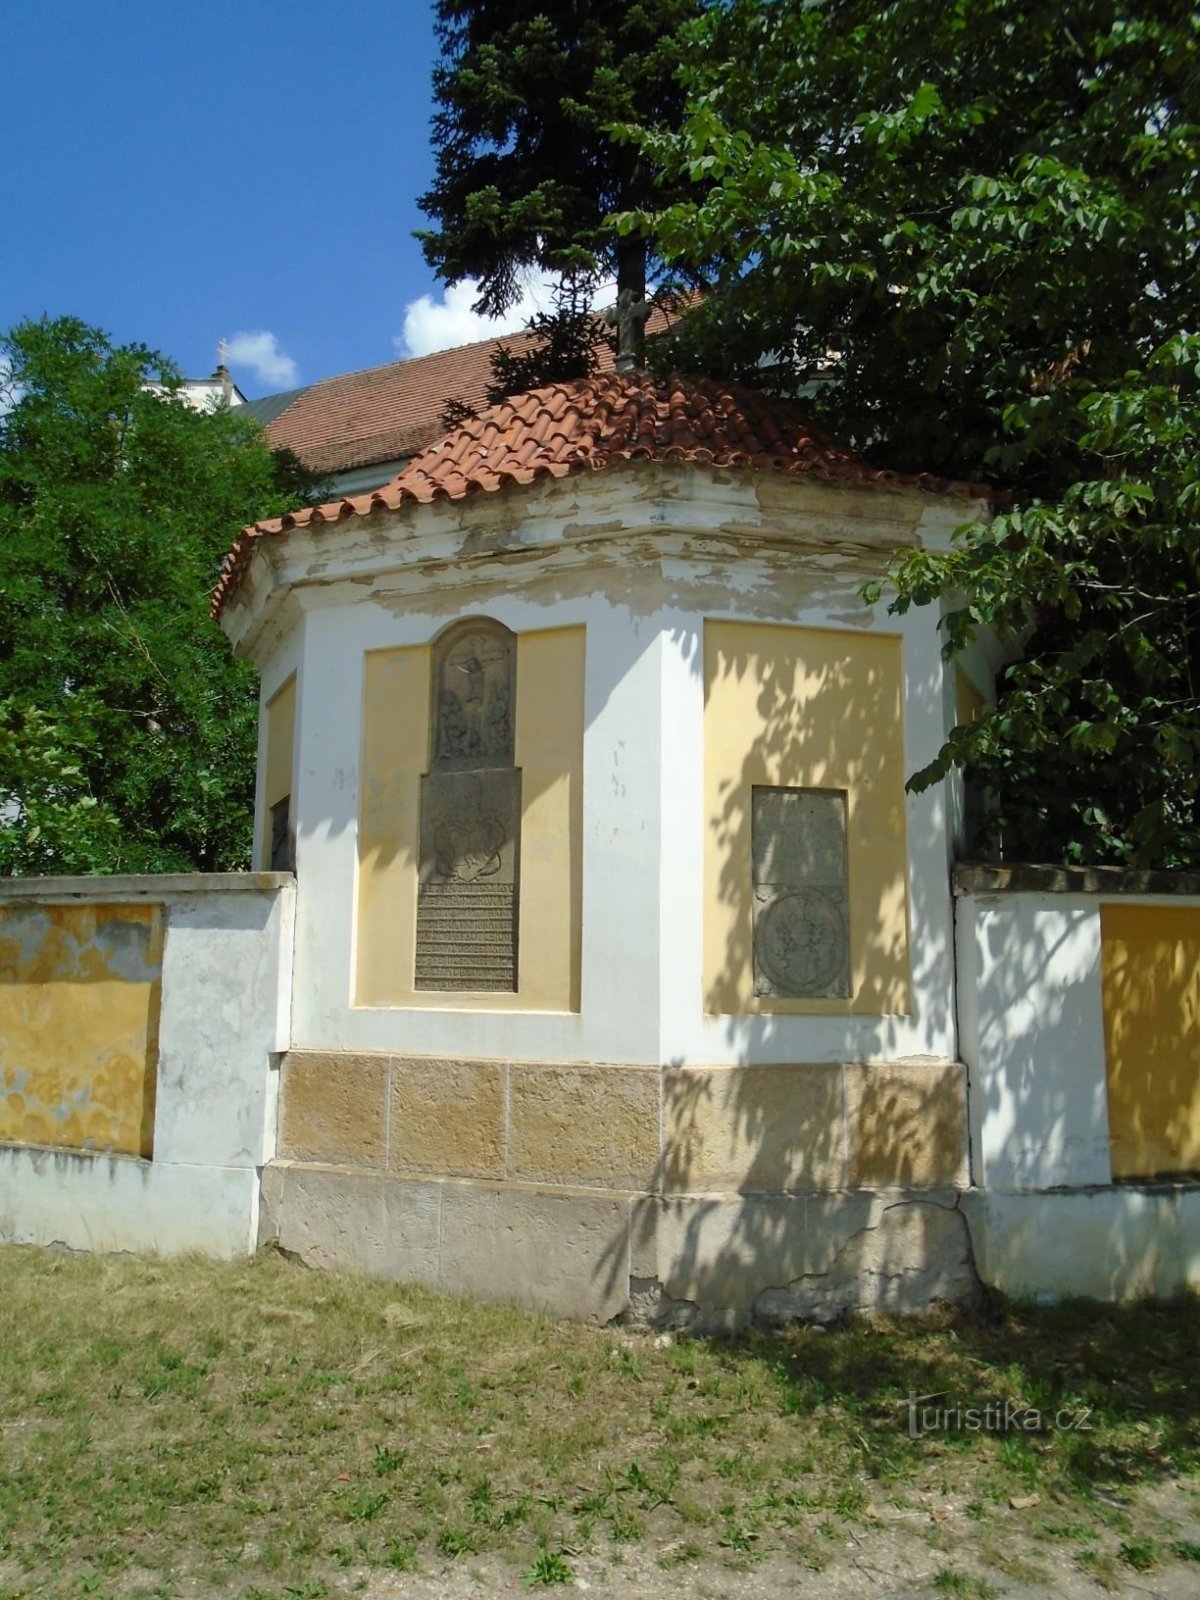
(822, 1185)
(806, 709)
(1039, 1087)
(1064, 1051)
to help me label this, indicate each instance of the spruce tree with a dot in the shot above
(528, 171)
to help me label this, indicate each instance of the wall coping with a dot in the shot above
(976, 878)
(119, 887)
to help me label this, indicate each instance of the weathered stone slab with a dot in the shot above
(587, 1125)
(561, 1251)
(644, 1212)
(720, 1251)
(784, 1257)
(801, 893)
(708, 1262)
(911, 1253)
(467, 895)
(333, 1107)
(447, 1117)
(329, 1218)
(474, 696)
(907, 1123)
(754, 1129)
(353, 1221)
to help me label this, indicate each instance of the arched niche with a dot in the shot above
(472, 716)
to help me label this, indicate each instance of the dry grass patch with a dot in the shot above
(258, 1430)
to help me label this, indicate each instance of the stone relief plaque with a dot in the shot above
(801, 893)
(469, 874)
(474, 669)
(467, 893)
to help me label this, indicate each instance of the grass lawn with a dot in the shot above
(259, 1430)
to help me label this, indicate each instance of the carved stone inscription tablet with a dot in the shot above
(469, 878)
(801, 893)
(467, 893)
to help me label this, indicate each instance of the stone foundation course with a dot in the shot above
(683, 1197)
(687, 1130)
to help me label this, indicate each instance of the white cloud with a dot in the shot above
(260, 352)
(10, 392)
(431, 324)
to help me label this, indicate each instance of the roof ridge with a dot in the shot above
(430, 355)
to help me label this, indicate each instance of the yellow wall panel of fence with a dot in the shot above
(80, 994)
(1151, 986)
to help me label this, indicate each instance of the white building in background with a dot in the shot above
(204, 394)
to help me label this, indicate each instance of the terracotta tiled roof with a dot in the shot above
(591, 425)
(384, 413)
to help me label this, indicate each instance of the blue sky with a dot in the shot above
(180, 173)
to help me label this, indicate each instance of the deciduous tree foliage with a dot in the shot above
(127, 731)
(969, 227)
(528, 171)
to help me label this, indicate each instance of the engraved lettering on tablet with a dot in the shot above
(466, 898)
(801, 893)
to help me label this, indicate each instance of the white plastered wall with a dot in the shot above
(617, 1020)
(688, 1035)
(643, 611)
(1113, 1243)
(1032, 1034)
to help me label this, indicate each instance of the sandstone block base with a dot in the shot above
(557, 1250)
(804, 1126)
(699, 1196)
(703, 1262)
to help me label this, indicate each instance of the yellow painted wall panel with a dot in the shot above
(817, 709)
(395, 754)
(549, 752)
(80, 995)
(1150, 977)
(281, 740)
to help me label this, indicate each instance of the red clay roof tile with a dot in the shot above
(594, 424)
